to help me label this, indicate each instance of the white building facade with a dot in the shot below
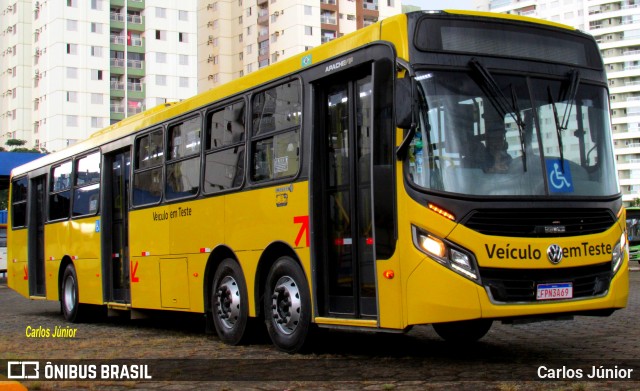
(90, 63)
(616, 27)
(237, 37)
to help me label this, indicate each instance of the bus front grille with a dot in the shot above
(520, 285)
(531, 223)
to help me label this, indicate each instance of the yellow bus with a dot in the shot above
(451, 168)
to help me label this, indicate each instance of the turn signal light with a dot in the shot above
(441, 211)
(389, 274)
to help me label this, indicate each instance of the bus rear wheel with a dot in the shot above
(464, 331)
(287, 305)
(229, 302)
(69, 302)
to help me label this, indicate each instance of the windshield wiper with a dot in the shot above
(563, 124)
(500, 102)
(520, 122)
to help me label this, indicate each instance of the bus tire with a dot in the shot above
(69, 299)
(229, 303)
(463, 331)
(287, 305)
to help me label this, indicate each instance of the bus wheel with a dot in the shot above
(229, 302)
(464, 331)
(287, 305)
(69, 295)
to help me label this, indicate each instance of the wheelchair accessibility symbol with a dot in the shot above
(559, 180)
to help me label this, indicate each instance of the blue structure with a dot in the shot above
(10, 160)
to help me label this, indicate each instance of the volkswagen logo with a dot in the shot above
(554, 253)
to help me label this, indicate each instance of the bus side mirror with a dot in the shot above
(403, 103)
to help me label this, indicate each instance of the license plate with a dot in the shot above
(557, 291)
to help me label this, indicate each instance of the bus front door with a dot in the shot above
(347, 260)
(114, 227)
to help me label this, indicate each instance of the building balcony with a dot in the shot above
(118, 39)
(327, 19)
(117, 85)
(117, 108)
(117, 62)
(370, 6)
(135, 110)
(115, 16)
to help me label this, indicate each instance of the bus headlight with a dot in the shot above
(446, 253)
(619, 250)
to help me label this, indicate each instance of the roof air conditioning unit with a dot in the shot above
(277, 33)
(210, 77)
(277, 13)
(209, 6)
(210, 23)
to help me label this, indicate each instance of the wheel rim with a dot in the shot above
(286, 305)
(69, 294)
(228, 302)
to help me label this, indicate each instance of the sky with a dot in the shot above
(440, 4)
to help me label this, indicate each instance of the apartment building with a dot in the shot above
(616, 27)
(237, 37)
(15, 71)
(84, 64)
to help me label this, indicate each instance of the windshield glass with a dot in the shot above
(469, 142)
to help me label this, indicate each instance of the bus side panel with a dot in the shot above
(148, 241)
(89, 281)
(84, 249)
(255, 219)
(145, 282)
(196, 267)
(57, 241)
(17, 272)
(196, 228)
(51, 269)
(85, 239)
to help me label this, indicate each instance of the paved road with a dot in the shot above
(175, 347)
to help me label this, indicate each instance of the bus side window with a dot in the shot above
(87, 190)
(276, 123)
(147, 178)
(224, 165)
(60, 194)
(183, 166)
(19, 203)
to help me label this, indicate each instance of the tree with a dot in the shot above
(635, 202)
(13, 142)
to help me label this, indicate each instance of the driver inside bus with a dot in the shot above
(497, 158)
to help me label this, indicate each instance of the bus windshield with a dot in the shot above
(509, 135)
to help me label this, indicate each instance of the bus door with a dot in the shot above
(347, 261)
(36, 236)
(114, 227)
